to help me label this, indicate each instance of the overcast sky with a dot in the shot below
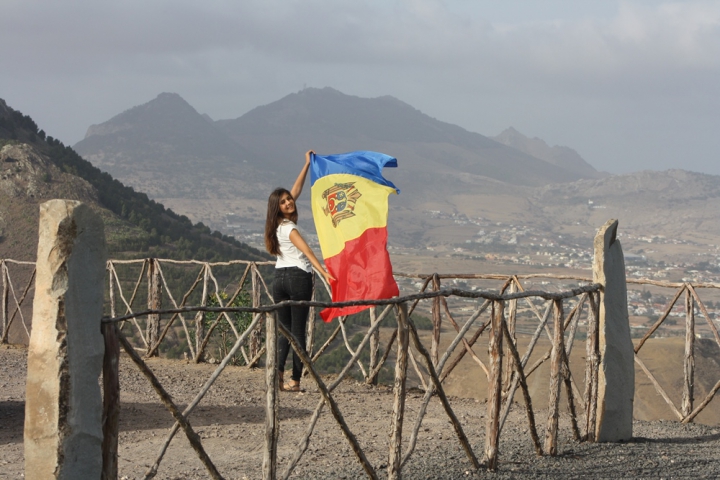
(630, 85)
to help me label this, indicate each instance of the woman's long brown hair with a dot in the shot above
(274, 217)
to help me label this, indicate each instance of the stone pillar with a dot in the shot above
(63, 407)
(616, 379)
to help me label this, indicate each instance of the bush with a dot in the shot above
(223, 338)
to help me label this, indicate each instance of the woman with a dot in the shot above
(293, 270)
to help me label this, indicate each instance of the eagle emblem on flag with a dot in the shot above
(340, 201)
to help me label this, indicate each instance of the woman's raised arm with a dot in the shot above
(300, 181)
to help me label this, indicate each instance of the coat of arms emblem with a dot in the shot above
(340, 201)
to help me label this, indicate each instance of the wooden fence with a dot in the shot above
(692, 302)
(504, 377)
(206, 285)
(12, 298)
(493, 311)
(406, 331)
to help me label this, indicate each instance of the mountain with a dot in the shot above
(168, 121)
(35, 167)
(206, 169)
(330, 121)
(563, 157)
(458, 187)
(166, 148)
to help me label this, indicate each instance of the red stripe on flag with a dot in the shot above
(363, 271)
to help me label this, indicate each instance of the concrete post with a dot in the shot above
(63, 408)
(616, 379)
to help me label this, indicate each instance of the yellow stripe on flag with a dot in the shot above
(344, 206)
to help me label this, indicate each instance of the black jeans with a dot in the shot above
(292, 283)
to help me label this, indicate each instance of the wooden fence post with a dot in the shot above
(255, 335)
(555, 367)
(111, 390)
(509, 370)
(616, 377)
(310, 343)
(401, 362)
(374, 348)
(495, 347)
(111, 290)
(437, 321)
(200, 318)
(592, 361)
(689, 360)
(154, 303)
(272, 428)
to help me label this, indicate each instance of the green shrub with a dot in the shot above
(223, 338)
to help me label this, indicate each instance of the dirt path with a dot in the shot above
(231, 423)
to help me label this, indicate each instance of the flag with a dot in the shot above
(350, 206)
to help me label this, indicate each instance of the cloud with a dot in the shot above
(664, 36)
(649, 66)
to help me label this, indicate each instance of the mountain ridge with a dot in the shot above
(561, 156)
(167, 124)
(330, 119)
(252, 153)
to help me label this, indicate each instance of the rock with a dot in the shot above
(63, 407)
(616, 389)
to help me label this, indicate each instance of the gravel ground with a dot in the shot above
(230, 421)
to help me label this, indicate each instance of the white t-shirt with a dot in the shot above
(290, 256)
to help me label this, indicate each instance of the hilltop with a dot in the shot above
(166, 148)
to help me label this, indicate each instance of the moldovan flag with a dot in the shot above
(350, 208)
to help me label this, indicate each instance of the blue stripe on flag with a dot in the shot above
(362, 163)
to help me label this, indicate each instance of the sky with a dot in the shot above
(630, 85)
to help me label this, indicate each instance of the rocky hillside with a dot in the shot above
(35, 167)
(28, 178)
